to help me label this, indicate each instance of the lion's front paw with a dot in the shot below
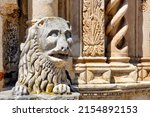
(61, 89)
(20, 90)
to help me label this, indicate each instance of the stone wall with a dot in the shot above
(9, 14)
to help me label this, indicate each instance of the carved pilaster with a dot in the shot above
(93, 28)
(92, 68)
(144, 39)
(116, 30)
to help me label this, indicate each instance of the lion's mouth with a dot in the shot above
(60, 55)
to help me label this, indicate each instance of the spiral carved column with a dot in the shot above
(116, 29)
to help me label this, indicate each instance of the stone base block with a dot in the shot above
(7, 95)
(132, 91)
(96, 71)
(123, 73)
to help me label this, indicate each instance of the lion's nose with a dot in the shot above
(64, 49)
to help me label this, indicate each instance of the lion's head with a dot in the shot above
(43, 57)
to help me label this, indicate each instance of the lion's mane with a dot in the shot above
(37, 71)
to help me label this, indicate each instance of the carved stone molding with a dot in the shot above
(93, 27)
(89, 77)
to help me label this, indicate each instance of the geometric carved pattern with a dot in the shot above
(93, 27)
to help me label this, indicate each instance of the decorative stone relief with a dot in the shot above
(144, 75)
(93, 27)
(144, 5)
(92, 78)
(117, 28)
(44, 58)
(125, 76)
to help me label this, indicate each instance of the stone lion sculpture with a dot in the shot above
(44, 57)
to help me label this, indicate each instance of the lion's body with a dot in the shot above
(39, 70)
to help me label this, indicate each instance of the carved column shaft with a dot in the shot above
(116, 29)
(41, 8)
(92, 68)
(143, 48)
(93, 28)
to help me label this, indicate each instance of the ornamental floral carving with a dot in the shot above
(144, 5)
(93, 27)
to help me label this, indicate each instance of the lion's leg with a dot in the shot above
(37, 84)
(62, 85)
(44, 85)
(20, 89)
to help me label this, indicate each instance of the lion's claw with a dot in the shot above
(20, 90)
(61, 89)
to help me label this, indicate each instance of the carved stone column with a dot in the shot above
(116, 30)
(9, 39)
(91, 68)
(93, 28)
(117, 43)
(41, 8)
(143, 41)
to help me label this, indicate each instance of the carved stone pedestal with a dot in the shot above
(96, 71)
(91, 70)
(123, 73)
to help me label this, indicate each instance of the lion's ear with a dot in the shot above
(68, 23)
(42, 21)
(32, 32)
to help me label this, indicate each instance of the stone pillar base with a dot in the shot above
(95, 70)
(91, 70)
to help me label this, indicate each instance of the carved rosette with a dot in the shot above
(117, 28)
(93, 27)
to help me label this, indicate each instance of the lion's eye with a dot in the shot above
(68, 34)
(53, 33)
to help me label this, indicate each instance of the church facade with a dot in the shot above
(111, 51)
